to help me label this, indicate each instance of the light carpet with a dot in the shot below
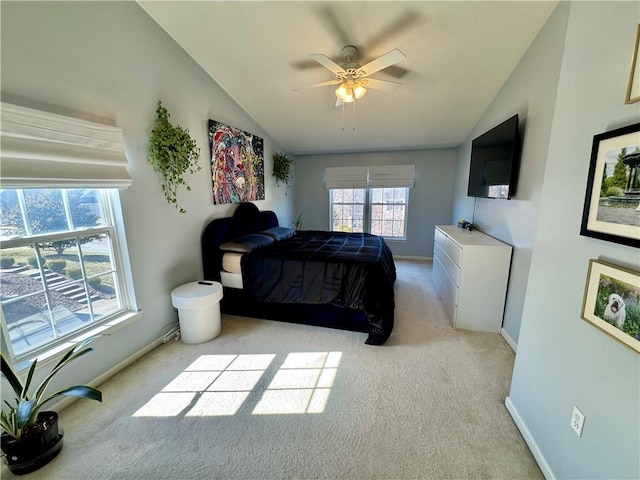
(273, 400)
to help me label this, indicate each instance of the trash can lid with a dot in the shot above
(196, 294)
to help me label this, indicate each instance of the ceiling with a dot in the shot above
(459, 54)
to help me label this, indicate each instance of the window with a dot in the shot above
(61, 267)
(370, 199)
(380, 211)
(389, 211)
(64, 269)
(347, 209)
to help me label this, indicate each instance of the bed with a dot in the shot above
(329, 279)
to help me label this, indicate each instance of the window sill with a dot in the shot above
(54, 354)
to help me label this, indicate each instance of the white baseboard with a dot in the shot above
(531, 443)
(410, 257)
(64, 402)
(509, 340)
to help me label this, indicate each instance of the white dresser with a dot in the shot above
(470, 273)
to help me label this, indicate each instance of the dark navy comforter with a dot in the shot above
(352, 270)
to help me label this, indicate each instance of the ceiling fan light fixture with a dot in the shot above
(359, 91)
(349, 92)
(345, 93)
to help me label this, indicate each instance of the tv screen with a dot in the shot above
(495, 157)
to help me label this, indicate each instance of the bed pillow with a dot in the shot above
(246, 243)
(279, 233)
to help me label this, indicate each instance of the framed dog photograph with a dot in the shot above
(612, 202)
(612, 302)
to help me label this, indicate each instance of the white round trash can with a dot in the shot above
(198, 305)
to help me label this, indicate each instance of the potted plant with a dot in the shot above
(172, 152)
(30, 436)
(297, 222)
(282, 169)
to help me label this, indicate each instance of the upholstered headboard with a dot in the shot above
(246, 219)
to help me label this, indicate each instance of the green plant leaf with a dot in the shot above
(11, 376)
(172, 152)
(80, 391)
(23, 412)
(282, 168)
(25, 389)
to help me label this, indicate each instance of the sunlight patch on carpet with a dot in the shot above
(302, 385)
(218, 385)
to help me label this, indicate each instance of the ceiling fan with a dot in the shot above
(352, 78)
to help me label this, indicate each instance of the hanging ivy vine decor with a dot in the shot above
(172, 152)
(282, 169)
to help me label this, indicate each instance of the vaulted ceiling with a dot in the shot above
(458, 56)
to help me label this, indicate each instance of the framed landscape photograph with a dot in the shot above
(612, 302)
(612, 202)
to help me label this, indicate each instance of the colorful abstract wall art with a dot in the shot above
(237, 164)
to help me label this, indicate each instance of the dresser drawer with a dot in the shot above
(436, 275)
(440, 238)
(447, 263)
(449, 307)
(449, 288)
(453, 250)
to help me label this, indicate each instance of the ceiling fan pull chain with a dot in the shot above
(343, 116)
(354, 114)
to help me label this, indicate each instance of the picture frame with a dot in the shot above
(612, 201)
(633, 85)
(237, 164)
(612, 302)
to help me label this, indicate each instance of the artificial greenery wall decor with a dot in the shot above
(282, 169)
(172, 152)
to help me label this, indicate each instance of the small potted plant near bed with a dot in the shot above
(30, 437)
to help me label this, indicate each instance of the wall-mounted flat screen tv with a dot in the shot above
(495, 161)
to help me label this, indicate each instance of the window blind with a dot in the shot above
(345, 177)
(388, 176)
(381, 176)
(40, 149)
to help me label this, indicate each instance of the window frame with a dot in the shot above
(406, 209)
(368, 207)
(113, 226)
(365, 212)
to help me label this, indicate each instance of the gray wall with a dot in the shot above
(562, 360)
(429, 200)
(530, 92)
(109, 61)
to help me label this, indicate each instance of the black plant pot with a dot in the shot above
(39, 445)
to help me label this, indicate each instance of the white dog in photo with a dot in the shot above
(615, 310)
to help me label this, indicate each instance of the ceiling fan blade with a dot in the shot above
(328, 63)
(322, 84)
(380, 84)
(399, 27)
(332, 23)
(386, 60)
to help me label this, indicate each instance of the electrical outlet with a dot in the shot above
(577, 420)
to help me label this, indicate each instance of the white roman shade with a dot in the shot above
(381, 176)
(40, 149)
(390, 176)
(345, 177)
